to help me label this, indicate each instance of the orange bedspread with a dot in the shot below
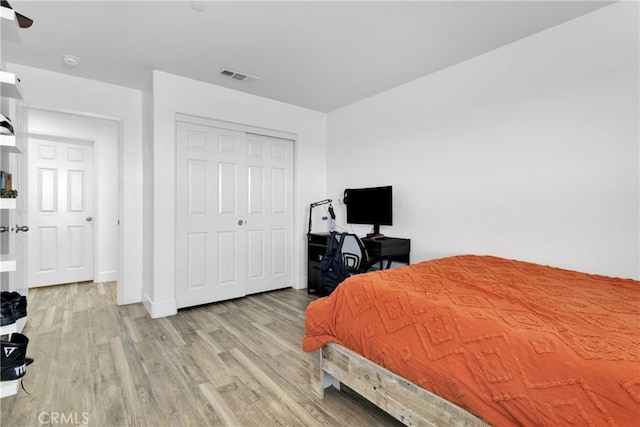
(511, 342)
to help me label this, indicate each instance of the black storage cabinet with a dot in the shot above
(317, 248)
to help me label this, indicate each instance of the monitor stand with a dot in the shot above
(375, 233)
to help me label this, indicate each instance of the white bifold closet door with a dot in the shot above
(234, 219)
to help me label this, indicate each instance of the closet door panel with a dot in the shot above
(210, 245)
(234, 229)
(274, 218)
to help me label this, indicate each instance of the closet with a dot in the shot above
(234, 213)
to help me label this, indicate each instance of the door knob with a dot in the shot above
(89, 219)
(22, 228)
(240, 222)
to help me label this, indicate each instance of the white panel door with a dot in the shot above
(233, 224)
(209, 218)
(60, 212)
(270, 213)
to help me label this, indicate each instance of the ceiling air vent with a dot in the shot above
(234, 75)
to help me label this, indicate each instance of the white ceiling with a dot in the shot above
(315, 54)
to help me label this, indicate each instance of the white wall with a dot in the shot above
(530, 151)
(147, 194)
(104, 136)
(173, 94)
(58, 92)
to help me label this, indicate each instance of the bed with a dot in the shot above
(481, 340)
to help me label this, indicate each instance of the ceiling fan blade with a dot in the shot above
(23, 21)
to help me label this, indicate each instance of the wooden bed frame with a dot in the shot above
(412, 405)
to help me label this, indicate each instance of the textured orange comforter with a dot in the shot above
(511, 342)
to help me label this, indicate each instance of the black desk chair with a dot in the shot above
(355, 254)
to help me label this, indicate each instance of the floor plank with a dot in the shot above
(233, 363)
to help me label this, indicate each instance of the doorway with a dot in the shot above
(73, 198)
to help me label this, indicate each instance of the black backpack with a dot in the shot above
(332, 268)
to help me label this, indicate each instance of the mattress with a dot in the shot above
(514, 343)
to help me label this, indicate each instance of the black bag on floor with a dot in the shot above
(332, 268)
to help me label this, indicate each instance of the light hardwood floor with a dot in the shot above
(235, 363)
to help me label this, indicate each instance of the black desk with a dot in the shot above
(390, 249)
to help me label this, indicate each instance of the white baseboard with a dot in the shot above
(106, 276)
(128, 296)
(301, 283)
(159, 309)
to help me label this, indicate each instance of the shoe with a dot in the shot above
(7, 314)
(18, 301)
(6, 128)
(13, 357)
